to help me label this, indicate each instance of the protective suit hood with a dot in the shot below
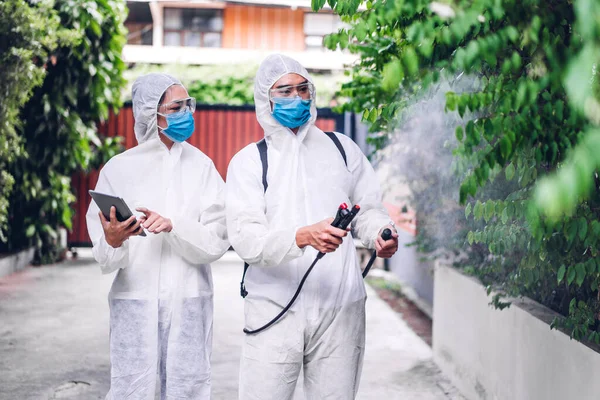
(146, 93)
(270, 71)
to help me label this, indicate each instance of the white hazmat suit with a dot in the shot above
(324, 331)
(161, 300)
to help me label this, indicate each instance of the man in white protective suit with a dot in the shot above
(161, 300)
(280, 230)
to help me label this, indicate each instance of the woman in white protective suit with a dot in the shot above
(161, 300)
(280, 231)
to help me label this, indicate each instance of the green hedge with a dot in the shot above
(532, 113)
(29, 33)
(231, 90)
(83, 80)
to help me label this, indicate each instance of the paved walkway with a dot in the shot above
(54, 338)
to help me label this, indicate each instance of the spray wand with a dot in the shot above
(342, 220)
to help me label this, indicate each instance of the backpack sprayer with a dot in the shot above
(342, 220)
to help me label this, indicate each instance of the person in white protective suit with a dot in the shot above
(280, 231)
(161, 300)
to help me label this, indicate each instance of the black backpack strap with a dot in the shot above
(338, 144)
(262, 150)
(243, 291)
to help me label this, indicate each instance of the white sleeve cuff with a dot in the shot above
(110, 251)
(296, 251)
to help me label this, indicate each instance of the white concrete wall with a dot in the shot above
(506, 355)
(15, 262)
(406, 264)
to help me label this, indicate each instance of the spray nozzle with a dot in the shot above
(386, 234)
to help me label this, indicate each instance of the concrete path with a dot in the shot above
(54, 339)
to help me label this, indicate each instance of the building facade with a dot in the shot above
(226, 32)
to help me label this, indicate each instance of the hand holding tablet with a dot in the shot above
(117, 220)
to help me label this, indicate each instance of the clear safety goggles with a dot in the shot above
(177, 106)
(305, 90)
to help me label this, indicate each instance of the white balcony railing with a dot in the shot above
(322, 60)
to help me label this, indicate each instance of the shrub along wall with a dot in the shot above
(73, 55)
(528, 160)
(29, 33)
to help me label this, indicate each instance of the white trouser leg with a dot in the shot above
(272, 359)
(334, 353)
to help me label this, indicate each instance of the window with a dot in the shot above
(193, 27)
(139, 23)
(318, 25)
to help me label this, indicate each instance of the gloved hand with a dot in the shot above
(321, 236)
(115, 232)
(154, 222)
(387, 248)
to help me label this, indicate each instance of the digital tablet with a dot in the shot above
(106, 201)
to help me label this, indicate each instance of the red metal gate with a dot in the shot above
(221, 131)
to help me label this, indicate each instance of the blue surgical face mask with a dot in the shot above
(291, 112)
(180, 126)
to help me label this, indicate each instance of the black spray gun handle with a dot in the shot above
(342, 219)
(385, 235)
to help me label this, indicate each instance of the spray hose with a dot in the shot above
(342, 220)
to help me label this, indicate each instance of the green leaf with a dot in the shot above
(392, 75)
(489, 211)
(459, 133)
(426, 47)
(570, 232)
(510, 172)
(317, 4)
(462, 107)
(470, 130)
(478, 210)
(505, 147)
(572, 304)
(516, 61)
(513, 33)
(595, 228)
(571, 273)
(505, 216)
(511, 209)
(360, 31)
(67, 218)
(365, 115)
(591, 266)
(451, 101)
(468, 210)
(561, 273)
(373, 114)
(30, 231)
(580, 268)
(411, 61)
